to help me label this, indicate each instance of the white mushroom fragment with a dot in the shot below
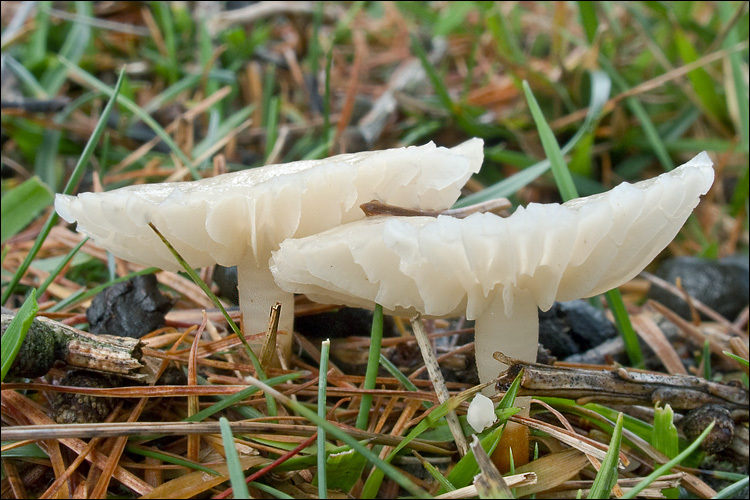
(496, 270)
(239, 218)
(481, 413)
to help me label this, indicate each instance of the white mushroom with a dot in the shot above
(239, 218)
(481, 413)
(495, 270)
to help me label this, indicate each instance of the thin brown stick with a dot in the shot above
(193, 441)
(438, 382)
(375, 207)
(51, 430)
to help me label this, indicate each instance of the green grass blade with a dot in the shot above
(207, 290)
(740, 87)
(270, 490)
(435, 473)
(403, 379)
(559, 168)
(28, 80)
(733, 490)
(37, 47)
(322, 413)
(72, 50)
(164, 17)
(506, 40)
(231, 122)
(16, 332)
(701, 81)
(741, 193)
(665, 440)
(236, 474)
(649, 129)
(64, 262)
(313, 49)
(664, 436)
(343, 469)
(227, 401)
(736, 358)
(138, 450)
(171, 93)
(661, 470)
(31, 450)
(606, 478)
(46, 159)
(638, 427)
(437, 83)
(272, 127)
(510, 394)
(506, 187)
(589, 21)
(625, 327)
(376, 338)
(739, 83)
(328, 131)
(23, 204)
(72, 182)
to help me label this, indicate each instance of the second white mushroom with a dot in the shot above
(497, 271)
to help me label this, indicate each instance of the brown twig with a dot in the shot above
(621, 386)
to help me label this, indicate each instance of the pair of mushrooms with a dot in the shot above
(297, 228)
(237, 219)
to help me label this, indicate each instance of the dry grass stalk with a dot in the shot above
(436, 376)
(650, 332)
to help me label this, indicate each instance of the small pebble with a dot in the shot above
(722, 285)
(569, 328)
(129, 309)
(697, 420)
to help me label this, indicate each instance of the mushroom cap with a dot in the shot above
(445, 266)
(216, 220)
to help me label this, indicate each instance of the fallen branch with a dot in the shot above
(48, 341)
(621, 386)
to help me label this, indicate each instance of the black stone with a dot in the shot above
(569, 328)
(589, 326)
(129, 309)
(721, 285)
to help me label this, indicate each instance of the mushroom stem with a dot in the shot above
(517, 336)
(258, 293)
